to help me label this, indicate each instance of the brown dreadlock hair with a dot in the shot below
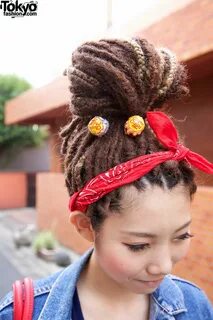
(115, 79)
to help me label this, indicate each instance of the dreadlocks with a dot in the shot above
(116, 79)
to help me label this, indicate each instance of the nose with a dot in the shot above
(161, 264)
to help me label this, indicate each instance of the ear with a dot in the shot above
(83, 225)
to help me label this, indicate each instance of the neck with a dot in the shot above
(95, 281)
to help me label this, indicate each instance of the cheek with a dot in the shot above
(182, 251)
(186, 247)
(117, 265)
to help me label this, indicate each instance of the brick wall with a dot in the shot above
(13, 190)
(194, 122)
(198, 265)
(52, 210)
(192, 27)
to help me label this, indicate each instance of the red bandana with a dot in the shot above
(133, 169)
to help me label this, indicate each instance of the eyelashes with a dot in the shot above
(186, 236)
(142, 247)
(137, 247)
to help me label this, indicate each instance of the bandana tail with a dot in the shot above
(200, 162)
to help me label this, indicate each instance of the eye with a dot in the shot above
(137, 247)
(185, 236)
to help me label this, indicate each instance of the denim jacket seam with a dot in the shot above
(37, 292)
(173, 312)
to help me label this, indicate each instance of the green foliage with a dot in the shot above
(14, 138)
(44, 239)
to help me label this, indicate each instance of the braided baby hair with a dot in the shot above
(116, 79)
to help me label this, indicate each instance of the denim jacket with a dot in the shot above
(175, 298)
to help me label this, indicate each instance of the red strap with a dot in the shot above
(18, 300)
(23, 299)
(29, 299)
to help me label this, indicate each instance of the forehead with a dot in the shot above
(154, 198)
(153, 209)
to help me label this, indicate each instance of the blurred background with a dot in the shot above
(36, 238)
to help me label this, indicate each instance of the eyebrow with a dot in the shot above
(150, 235)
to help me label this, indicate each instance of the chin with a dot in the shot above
(139, 289)
(143, 291)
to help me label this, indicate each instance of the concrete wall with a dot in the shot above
(31, 160)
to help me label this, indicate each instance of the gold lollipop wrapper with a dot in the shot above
(98, 126)
(134, 126)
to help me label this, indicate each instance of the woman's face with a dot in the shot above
(143, 243)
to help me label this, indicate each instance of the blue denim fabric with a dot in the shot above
(174, 299)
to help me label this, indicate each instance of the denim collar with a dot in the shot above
(167, 299)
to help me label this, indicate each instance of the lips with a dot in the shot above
(152, 280)
(150, 284)
(158, 280)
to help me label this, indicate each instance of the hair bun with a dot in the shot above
(113, 77)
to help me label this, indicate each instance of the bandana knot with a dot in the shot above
(180, 152)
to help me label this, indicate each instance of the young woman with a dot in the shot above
(131, 183)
